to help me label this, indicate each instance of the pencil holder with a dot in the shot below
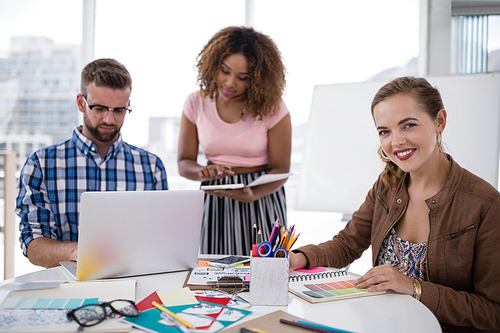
(269, 281)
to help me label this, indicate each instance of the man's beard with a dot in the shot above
(94, 131)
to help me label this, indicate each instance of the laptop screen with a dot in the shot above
(138, 232)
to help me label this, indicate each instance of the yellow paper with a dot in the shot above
(177, 297)
(104, 290)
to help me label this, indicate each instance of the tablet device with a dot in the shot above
(264, 179)
(222, 187)
(229, 261)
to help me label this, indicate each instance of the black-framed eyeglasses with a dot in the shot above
(93, 314)
(100, 111)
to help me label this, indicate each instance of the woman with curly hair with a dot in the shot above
(244, 129)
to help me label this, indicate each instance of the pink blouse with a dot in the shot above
(243, 144)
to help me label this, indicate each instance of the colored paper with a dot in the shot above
(312, 270)
(147, 303)
(203, 263)
(153, 320)
(177, 297)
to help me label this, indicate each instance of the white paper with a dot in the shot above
(269, 178)
(104, 290)
(32, 285)
(264, 179)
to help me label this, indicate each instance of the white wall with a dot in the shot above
(340, 162)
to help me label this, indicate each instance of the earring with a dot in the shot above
(382, 155)
(439, 140)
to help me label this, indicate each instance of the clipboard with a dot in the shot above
(228, 284)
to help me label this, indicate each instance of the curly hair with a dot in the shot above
(105, 73)
(266, 72)
(427, 98)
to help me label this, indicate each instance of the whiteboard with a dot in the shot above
(340, 161)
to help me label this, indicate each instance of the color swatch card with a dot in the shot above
(329, 285)
(45, 303)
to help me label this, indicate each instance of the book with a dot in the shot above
(329, 284)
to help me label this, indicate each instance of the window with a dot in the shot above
(159, 47)
(29, 148)
(32, 46)
(494, 43)
(475, 37)
(311, 36)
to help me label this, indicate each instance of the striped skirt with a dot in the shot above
(227, 226)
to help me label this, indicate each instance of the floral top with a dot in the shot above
(407, 257)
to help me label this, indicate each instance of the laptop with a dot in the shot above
(129, 233)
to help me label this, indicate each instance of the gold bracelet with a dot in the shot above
(417, 289)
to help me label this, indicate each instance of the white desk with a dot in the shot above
(383, 313)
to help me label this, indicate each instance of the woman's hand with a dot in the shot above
(386, 277)
(214, 171)
(297, 260)
(244, 195)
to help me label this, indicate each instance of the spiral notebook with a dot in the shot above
(330, 284)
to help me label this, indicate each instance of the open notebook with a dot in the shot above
(137, 232)
(330, 284)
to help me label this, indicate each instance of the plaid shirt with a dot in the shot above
(53, 179)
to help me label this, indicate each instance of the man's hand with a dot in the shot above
(47, 252)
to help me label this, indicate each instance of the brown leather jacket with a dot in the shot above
(463, 249)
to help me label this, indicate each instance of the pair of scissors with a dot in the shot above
(265, 249)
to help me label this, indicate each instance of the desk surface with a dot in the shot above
(383, 313)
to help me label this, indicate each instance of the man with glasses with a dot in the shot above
(94, 159)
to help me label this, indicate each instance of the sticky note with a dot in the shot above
(312, 270)
(176, 297)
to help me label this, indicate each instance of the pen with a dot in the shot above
(313, 327)
(177, 318)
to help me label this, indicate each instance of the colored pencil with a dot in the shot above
(312, 327)
(255, 228)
